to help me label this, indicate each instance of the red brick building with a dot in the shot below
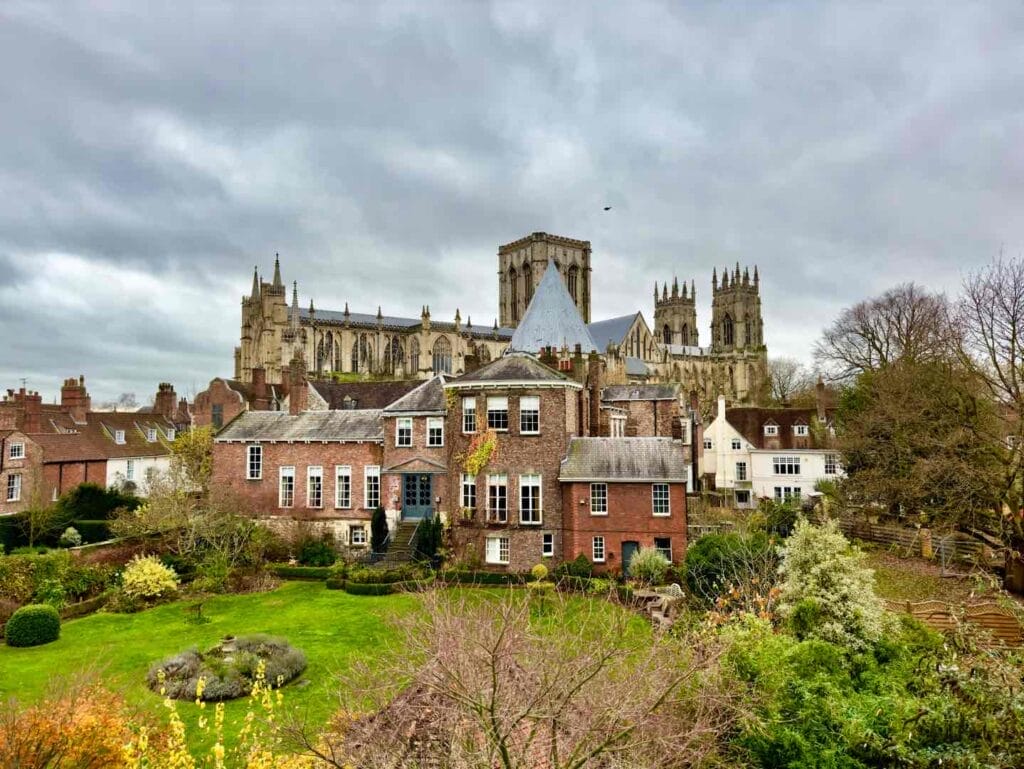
(621, 494)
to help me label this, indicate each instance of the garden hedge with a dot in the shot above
(483, 578)
(93, 531)
(311, 573)
(377, 588)
(33, 625)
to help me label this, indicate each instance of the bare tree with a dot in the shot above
(788, 377)
(905, 323)
(480, 683)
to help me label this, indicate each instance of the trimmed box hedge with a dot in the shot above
(376, 588)
(484, 578)
(310, 573)
(33, 625)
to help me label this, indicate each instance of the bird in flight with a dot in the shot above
(607, 208)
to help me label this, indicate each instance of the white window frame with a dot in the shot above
(531, 481)
(788, 493)
(403, 424)
(286, 472)
(355, 529)
(435, 423)
(660, 550)
(469, 415)
(14, 487)
(602, 508)
(254, 453)
(315, 473)
(371, 473)
(655, 489)
(129, 470)
(741, 471)
(16, 450)
(801, 431)
(786, 465)
(497, 480)
(497, 404)
(708, 444)
(468, 497)
(151, 434)
(737, 444)
(343, 487)
(831, 464)
(547, 545)
(523, 410)
(119, 437)
(170, 433)
(501, 543)
(597, 545)
(771, 430)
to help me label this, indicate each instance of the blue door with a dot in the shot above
(417, 499)
(628, 551)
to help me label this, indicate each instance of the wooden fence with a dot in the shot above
(999, 622)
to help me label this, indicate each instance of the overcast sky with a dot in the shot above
(149, 157)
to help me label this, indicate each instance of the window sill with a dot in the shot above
(531, 524)
(529, 435)
(661, 515)
(598, 515)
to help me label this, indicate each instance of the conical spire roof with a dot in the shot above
(552, 319)
(277, 272)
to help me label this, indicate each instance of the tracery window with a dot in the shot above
(442, 356)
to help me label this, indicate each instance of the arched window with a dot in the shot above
(321, 355)
(574, 274)
(325, 361)
(513, 293)
(414, 356)
(483, 353)
(528, 281)
(442, 356)
(686, 335)
(748, 338)
(362, 355)
(727, 331)
(355, 354)
(394, 355)
(666, 334)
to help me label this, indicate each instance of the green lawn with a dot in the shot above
(332, 627)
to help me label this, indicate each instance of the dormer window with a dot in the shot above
(771, 430)
(170, 433)
(119, 437)
(151, 434)
(736, 445)
(800, 431)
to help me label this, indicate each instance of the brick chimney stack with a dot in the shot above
(298, 395)
(819, 398)
(31, 404)
(166, 401)
(260, 391)
(74, 399)
(595, 383)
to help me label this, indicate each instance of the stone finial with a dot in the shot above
(312, 310)
(675, 287)
(380, 315)
(757, 278)
(277, 272)
(693, 290)
(655, 291)
(714, 277)
(255, 282)
(664, 292)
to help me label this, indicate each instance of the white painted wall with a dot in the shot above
(117, 471)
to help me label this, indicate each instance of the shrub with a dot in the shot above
(33, 625)
(402, 573)
(94, 503)
(483, 578)
(370, 588)
(70, 537)
(311, 573)
(429, 538)
(145, 578)
(649, 566)
(717, 562)
(539, 572)
(225, 676)
(52, 592)
(580, 567)
(826, 592)
(316, 552)
(92, 531)
(378, 530)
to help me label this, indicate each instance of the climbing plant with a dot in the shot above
(482, 449)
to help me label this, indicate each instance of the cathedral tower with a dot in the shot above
(736, 311)
(521, 265)
(675, 315)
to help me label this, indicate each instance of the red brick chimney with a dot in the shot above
(298, 394)
(595, 383)
(32, 411)
(260, 391)
(74, 399)
(819, 398)
(166, 401)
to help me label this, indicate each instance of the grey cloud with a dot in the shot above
(387, 149)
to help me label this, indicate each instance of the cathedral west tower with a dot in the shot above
(521, 265)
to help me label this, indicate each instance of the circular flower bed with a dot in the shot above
(228, 670)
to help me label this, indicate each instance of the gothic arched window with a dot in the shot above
(686, 335)
(394, 355)
(528, 281)
(573, 279)
(748, 338)
(355, 355)
(414, 356)
(362, 354)
(483, 353)
(321, 355)
(513, 292)
(442, 356)
(727, 330)
(666, 334)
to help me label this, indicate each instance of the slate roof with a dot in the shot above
(333, 426)
(364, 395)
(428, 397)
(636, 367)
(611, 331)
(641, 392)
(749, 421)
(624, 459)
(551, 319)
(514, 367)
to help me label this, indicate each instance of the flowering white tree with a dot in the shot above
(826, 591)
